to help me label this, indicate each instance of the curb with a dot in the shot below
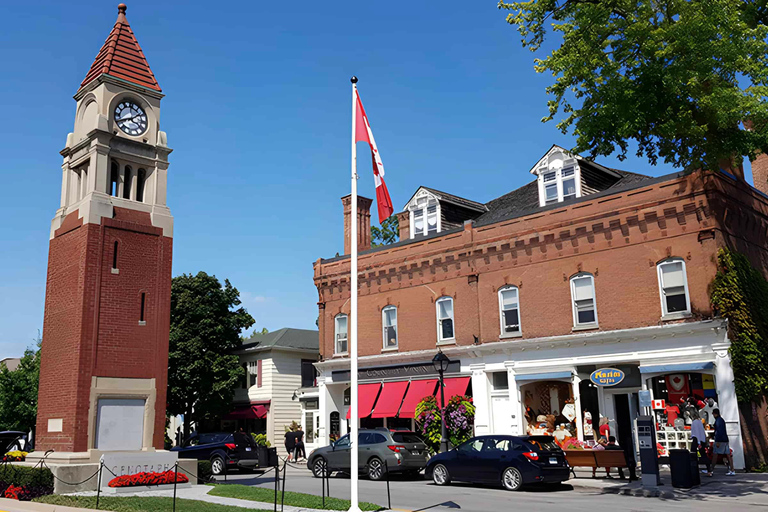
(631, 491)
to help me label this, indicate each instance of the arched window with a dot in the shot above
(340, 337)
(445, 319)
(114, 178)
(389, 325)
(583, 298)
(141, 178)
(673, 287)
(509, 311)
(127, 182)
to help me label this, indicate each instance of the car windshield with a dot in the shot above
(217, 437)
(406, 437)
(543, 444)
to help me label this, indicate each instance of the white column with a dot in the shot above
(121, 181)
(515, 405)
(325, 413)
(481, 398)
(726, 399)
(64, 184)
(577, 405)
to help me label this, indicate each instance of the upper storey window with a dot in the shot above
(424, 211)
(673, 286)
(559, 177)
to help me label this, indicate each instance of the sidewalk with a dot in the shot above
(719, 486)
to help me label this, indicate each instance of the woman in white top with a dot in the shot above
(699, 443)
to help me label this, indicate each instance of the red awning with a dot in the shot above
(416, 392)
(366, 397)
(453, 387)
(248, 412)
(390, 399)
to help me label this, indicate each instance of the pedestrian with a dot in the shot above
(721, 443)
(300, 453)
(290, 443)
(605, 429)
(699, 444)
(613, 446)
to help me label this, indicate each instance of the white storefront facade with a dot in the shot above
(514, 383)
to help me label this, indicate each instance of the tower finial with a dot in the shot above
(121, 8)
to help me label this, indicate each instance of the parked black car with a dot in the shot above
(11, 440)
(379, 451)
(236, 450)
(512, 461)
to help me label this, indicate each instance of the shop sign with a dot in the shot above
(606, 377)
(392, 372)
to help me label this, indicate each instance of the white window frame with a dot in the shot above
(253, 373)
(666, 315)
(385, 344)
(336, 335)
(555, 162)
(576, 324)
(502, 325)
(440, 339)
(421, 202)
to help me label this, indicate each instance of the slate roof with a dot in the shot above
(302, 339)
(122, 57)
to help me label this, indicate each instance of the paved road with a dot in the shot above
(420, 495)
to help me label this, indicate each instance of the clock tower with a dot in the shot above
(104, 365)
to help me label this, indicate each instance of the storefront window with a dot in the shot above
(549, 409)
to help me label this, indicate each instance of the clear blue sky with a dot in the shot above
(258, 114)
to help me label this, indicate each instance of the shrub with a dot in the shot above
(261, 440)
(25, 483)
(204, 471)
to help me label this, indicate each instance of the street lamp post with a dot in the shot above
(440, 362)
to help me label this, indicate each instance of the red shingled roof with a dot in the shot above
(121, 57)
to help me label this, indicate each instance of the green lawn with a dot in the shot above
(294, 499)
(139, 504)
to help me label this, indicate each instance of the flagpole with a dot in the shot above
(354, 416)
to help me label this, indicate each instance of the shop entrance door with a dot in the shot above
(626, 407)
(502, 415)
(311, 427)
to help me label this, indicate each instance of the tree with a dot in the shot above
(18, 392)
(387, 234)
(205, 326)
(679, 77)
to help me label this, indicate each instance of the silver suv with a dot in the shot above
(380, 451)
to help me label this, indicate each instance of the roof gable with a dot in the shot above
(301, 339)
(121, 57)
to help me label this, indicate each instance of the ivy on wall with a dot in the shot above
(740, 294)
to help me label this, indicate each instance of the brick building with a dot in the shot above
(584, 268)
(103, 374)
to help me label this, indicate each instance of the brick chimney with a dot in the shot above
(404, 225)
(760, 173)
(363, 222)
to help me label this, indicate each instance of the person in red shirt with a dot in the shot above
(604, 430)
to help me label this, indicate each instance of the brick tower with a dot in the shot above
(107, 307)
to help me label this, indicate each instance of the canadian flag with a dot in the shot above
(363, 133)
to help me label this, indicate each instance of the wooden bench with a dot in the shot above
(595, 459)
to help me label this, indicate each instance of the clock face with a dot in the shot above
(131, 118)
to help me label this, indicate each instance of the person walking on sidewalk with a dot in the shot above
(721, 443)
(699, 444)
(290, 443)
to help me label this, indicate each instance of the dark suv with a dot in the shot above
(237, 450)
(380, 450)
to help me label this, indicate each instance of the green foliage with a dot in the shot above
(740, 294)
(294, 499)
(205, 326)
(261, 440)
(26, 475)
(387, 234)
(459, 420)
(139, 504)
(679, 77)
(18, 392)
(204, 471)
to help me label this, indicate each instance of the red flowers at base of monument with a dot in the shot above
(153, 478)
(14, 492)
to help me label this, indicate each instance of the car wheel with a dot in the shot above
(440, 475)
(376, 469)
(217, 465)
(512, 479)
(319, 466)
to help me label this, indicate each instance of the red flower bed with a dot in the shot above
(13, 492)
(166, 477)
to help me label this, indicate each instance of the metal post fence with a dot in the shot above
(282, 497)
(277, 482)
(98, 485)
(175, 479)
(322, 483)
(389, 498)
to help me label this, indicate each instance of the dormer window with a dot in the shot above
(425, 214)
(559, 176)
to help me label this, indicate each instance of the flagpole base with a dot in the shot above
(354, 509)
